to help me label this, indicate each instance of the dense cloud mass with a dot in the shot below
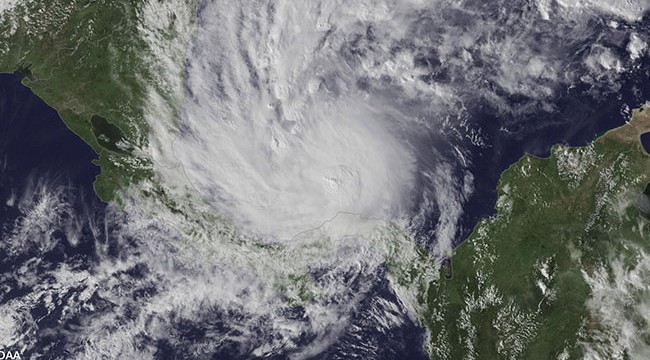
(295, 112)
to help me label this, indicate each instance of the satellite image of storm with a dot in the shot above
(325, 179)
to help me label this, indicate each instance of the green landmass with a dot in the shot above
(518, 285)
(85, 59)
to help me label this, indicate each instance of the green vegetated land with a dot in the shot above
(517, 286)
(84, 58)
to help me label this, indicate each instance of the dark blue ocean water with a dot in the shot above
(36, 147)
(35, 143)
(645, 141)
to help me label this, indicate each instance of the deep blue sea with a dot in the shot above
(37, 147)
(645, 141)
(35, 143)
